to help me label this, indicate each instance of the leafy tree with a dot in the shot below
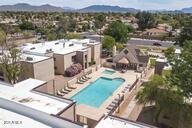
(10, 65)
(51, 36)
(119, 46)
(130, 28)
(108, 42)
(118, 31)
(100, 20)
(181, 74)
(2, 40)
(146, 20)
(72, 36)
(26, 25)
(152, 63)
(186, 34)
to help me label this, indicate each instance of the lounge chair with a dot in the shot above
(123, 71)
(87, 77)
(67, 89)
(115, 102)
(70, 87)
(79, 82)
(84, 78)
(60, 93)
(81, 79)
(112, 105)
(110, 108)
(64, 91)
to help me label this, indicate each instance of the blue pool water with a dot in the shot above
(110, 72)
(98, 91)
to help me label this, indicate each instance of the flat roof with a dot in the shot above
(29, 57)
(33, 58)
(58, 46)
(21, 116)
(22, 93)
(115, 122)
(24, 122)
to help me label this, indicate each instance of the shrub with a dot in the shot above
(73, 70)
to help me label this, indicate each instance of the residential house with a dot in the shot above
(155, 32)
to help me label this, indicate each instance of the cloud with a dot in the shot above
(140, 4)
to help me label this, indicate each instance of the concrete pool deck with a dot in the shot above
(96, 113)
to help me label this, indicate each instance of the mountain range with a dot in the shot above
(107, 8)
(92, 8)
(30, 8)
(187, 10)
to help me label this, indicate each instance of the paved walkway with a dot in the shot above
(130, 109)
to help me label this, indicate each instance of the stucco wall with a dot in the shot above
(27, 71)
(69, 113)
(44, 70)
(96, 53)
(68, 60)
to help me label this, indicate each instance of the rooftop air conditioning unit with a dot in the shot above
(84, 44)
(32, 48)
(49, 50)
(92, 41)
(29, 58)
(71, 45)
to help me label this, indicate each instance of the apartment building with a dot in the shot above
(23, 101)
(37, 67)
(34, 66)
(67, 52)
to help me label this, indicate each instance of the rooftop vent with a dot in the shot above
(49, 50)
(92, 41)
(32, 48)
(84, 44)
(71, 45)
(29, 58)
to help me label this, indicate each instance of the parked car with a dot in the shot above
(156, 44)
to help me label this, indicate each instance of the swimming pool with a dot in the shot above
(98, 91)
(110, 72)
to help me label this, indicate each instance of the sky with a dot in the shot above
(138, 4)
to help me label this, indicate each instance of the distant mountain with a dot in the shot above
(187, 10)
(28, 8)
(68, 9)
(94, 8)
(107, 8)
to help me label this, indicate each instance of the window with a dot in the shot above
(85, 57)
(55, 68)
(126, 51)
(73, 58)
(54, 59)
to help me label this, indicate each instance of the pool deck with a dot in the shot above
(97, 113)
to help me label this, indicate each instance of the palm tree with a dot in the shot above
(151, 94)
